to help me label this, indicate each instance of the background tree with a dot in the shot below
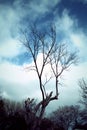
(57, 56)
(83, 101)
(65, 117)
(83, 87)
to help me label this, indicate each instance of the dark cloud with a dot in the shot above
(46, 11)
(7, 2)
(77, 9)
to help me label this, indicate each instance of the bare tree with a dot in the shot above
(56, 55)
(83, 101)
(83, 87)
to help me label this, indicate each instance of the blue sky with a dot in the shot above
(70, 18)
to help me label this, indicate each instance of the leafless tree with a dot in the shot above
(57, 56)
(83, 101)
(83, 87)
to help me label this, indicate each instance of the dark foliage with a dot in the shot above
(80, 126)
(46, 124)
(11, 121)
(15, 122)
(23, 117)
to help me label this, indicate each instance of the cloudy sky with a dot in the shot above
(70, 18)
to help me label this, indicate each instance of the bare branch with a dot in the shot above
(56, 55)
(83, 86)
(30, 68)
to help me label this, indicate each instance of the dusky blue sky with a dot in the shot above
(70, 19)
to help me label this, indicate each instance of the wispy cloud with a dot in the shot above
(8, 23)
(11, 17)
(72, 33)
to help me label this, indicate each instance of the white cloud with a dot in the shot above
(80, 41)
(65, 22)
(8, 20)
(10, 48)
(8, 25)
(17, 83)
(72, 33)
(40, 7)
(16, 74)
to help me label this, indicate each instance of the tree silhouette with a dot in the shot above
(83, 87)
(65, 117)
(55, 55)
(83, 101)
